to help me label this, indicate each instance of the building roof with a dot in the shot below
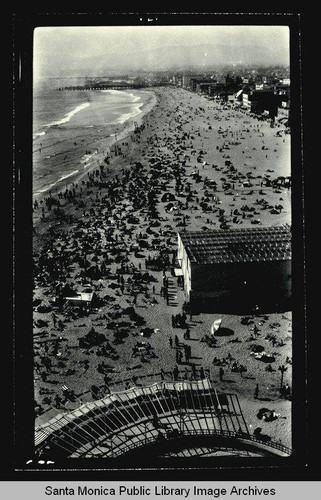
(238, 245)
(86, 297)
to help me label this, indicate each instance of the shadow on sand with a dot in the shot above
(224, 332)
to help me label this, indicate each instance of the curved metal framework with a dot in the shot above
(155, 415)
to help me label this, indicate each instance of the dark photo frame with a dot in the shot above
(23, 463)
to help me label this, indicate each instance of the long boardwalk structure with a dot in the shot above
(105, 86)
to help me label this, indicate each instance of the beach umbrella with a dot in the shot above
(215, 326)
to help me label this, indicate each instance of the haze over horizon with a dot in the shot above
(79, 51)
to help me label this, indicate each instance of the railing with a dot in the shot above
(202, 410)
(116, 384)
(271, 444)
(219, 433)
(123, 448)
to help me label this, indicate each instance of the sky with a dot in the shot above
(79, 51)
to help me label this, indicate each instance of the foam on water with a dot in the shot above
(38, 134)
(60, 141)
(69, 115)
(126, 116)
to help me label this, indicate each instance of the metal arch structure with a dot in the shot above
(163, 419)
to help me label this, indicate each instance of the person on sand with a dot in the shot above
(58, 401)
(54, 318)
(256, 391)
(188, 352)
(287, 391)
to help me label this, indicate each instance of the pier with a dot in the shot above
(112, 86)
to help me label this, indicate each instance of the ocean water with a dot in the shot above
(70, 127)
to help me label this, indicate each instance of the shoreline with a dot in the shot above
(125, 129)
(123, 134)
(111, 217)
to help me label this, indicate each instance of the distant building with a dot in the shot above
(186, 81)
(265, 102)
(203, 87)
(218, 90)
(239, 95)
(236, 268)
(246, 98)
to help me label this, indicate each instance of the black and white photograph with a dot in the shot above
(164, 187)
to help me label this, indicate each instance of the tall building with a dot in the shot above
(186, 81)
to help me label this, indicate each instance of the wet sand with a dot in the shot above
(129, 209)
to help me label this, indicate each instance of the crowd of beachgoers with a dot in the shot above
(108, 311)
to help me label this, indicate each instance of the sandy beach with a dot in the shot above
(188, 164)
